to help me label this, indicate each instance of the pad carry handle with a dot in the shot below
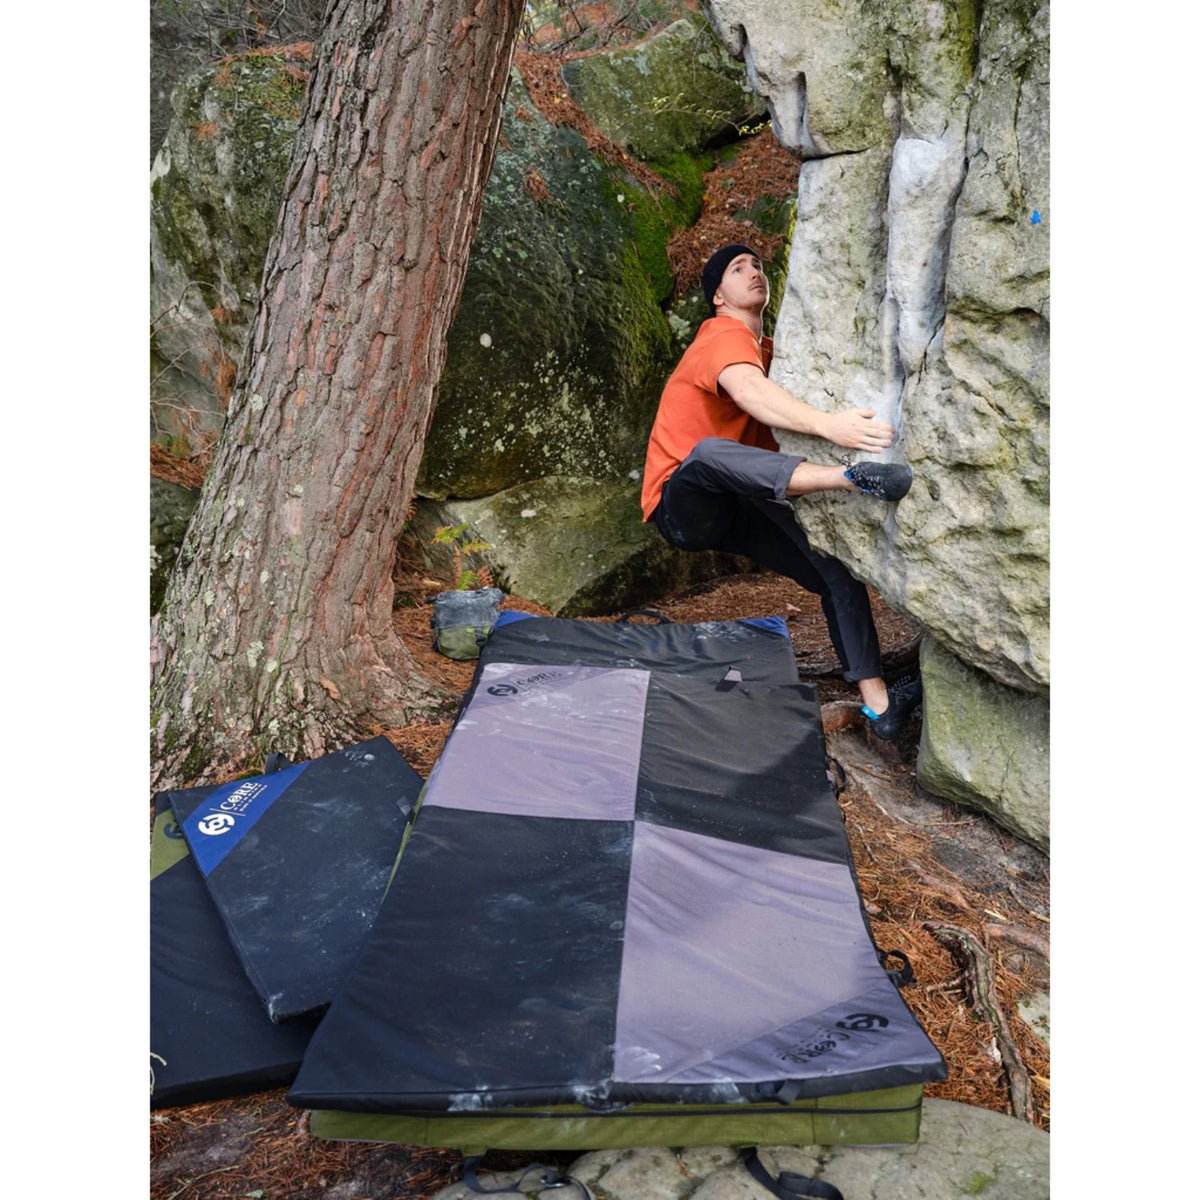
(902, 975)
(643, 612)
(550, 1178)
(790, 1185)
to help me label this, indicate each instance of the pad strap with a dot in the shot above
(550, 1178)
(902, 975)
(643, 612)
(790, 1185)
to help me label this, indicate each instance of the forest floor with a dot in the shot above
(925, 866)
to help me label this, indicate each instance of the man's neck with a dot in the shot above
(752, 320)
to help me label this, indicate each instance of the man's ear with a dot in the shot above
(718, 299)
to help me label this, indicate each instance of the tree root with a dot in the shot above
(840, 714)
(943, 886)
(966, 946)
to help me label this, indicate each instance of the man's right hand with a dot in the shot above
(855, 430)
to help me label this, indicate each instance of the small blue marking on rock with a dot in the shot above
(1036, 219)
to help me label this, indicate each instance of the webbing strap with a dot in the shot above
(550, 1178)
(790, 1184)
(902, 975)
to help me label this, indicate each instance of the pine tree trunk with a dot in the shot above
(276, 631)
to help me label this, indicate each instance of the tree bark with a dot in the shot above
(276, 631)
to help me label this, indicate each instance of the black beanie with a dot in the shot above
(714, 269)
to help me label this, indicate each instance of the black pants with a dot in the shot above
(726, 496)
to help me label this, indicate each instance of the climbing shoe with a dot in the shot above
(903, 700)
(884, 481)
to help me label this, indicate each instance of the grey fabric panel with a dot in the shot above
(868, 1032)
(725, 943)
(546, 742)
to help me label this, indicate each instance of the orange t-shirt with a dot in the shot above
(694, 407)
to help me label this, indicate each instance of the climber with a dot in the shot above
(716, 479)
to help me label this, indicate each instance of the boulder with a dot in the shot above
(985, 745)
(918, 286)
(678, 90)
(215, 190)
(171, 506)
(963, 1152)
(559, 349)
(577, 546)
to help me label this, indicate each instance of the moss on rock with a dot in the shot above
(578, 546)
(676, 90)
(559, 349)
(985, 745)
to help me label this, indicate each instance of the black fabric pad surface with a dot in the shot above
(209, 1035)
(516, 987)
(297, 862)
(720, 768)
(760, 650)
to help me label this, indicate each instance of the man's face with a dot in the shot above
(744, 285)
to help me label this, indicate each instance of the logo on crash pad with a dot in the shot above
(216, 824)
(863, 1021)
(525, 683)
(233, 808)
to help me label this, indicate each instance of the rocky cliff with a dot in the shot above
(918, 285)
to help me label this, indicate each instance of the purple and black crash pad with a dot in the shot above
(627, 886)
(209, 1035)
(296, 863)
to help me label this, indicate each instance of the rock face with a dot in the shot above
(215, 191)
(676, 91)
(985, 744)
(963, 1152)
(919, 286)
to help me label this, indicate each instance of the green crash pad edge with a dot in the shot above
(887, 1116)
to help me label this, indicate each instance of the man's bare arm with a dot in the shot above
(767, 402)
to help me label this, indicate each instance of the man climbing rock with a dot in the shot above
(716, 479)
